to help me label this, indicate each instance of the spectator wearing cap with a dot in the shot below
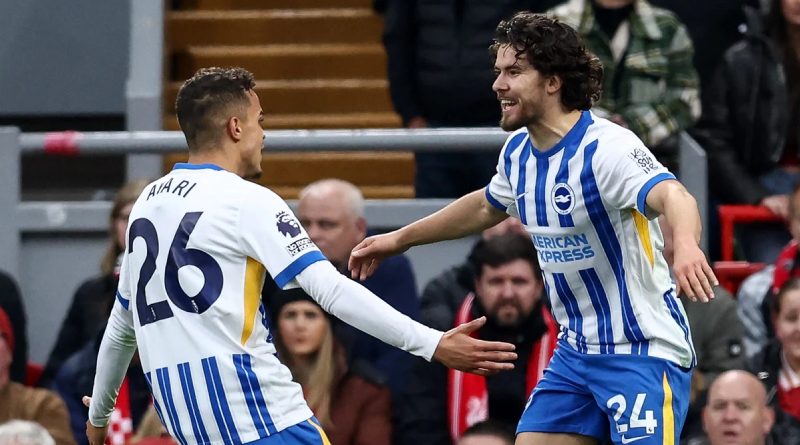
(349, 401)
(23, 403)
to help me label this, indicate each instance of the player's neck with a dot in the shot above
(217, 157)
(548, 131)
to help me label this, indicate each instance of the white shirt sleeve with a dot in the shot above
(113, 359)
(500, 192)
(357, 306)
(271, 234)
(626, 171)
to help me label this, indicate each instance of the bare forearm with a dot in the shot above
(469, 214)
(680, 209)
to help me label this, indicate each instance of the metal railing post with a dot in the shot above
(143, 89)
(693, 166)
(9, 200)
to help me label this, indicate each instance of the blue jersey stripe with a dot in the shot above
(641, 197)
(511, 147)
(247, 388)
(224, 431)
(522, 186)
(123, 301)
(185, 374)
(602, 309)
(676, 314)
(493, 201)
(562, 177)
(162, 374)
(223, 401)
(260, 402)
(265, 321)
(157, 406)
(298, 266)
(573, 310)
(542, 166)
(613, 250)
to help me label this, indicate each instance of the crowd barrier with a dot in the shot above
(50, 247)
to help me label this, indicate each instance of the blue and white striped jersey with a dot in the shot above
(200, 242)
(583, 203)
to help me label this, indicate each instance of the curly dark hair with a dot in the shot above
(554, 49)
(205, 96)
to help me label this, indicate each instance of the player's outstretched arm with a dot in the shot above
(355, 305)
(458, 350)
(469, 214)
(113, 358)
(693, 274)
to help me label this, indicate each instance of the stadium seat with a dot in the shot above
(731, 273)
(730, 215)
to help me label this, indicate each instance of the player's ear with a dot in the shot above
(234, 128)
(553, 84)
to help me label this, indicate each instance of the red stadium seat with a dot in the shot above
(730, 215)
(732, 273)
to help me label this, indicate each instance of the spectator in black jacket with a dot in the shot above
(751, 122)
(440, 76)
(11, 302)
(94, 298)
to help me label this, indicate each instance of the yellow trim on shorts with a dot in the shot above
(322, 435)
(253, 282)
(643, 229)
(668, 416)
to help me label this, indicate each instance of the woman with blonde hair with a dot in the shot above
(350, 402)
(92, 302)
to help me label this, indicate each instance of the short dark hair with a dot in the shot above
(554, 49)
(503, 249)
(207, 94)
(491, 428)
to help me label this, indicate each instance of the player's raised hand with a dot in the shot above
(458, 350)
(366, 256)
(693, 275)
(95, 434)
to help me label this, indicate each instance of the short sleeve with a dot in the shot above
(499, 192)
(626, 175)
(271, 234)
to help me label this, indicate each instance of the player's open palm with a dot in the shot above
(693, 275)
(458, 350)
(368, 254)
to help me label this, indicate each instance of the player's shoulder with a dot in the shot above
(515, 139)
(611, 138)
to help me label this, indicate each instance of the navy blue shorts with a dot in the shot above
(626, 398)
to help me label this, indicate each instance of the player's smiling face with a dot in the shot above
(520, 89)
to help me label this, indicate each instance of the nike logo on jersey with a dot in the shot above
(626, 440)
(521, 195)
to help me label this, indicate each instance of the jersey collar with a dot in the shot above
(187, 166)
(573, 136)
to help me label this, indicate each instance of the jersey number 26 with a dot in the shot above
(178, 256)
